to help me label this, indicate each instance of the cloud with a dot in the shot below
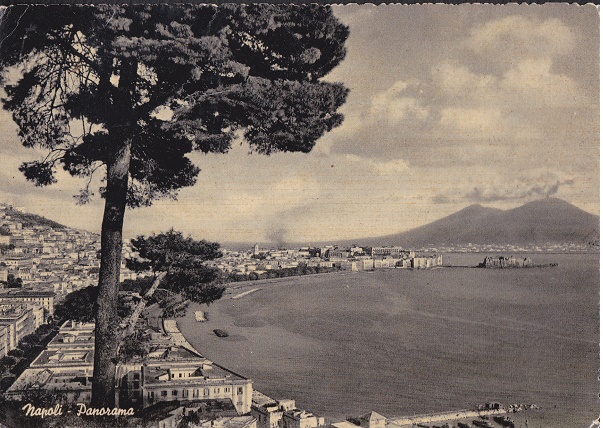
(517, 191)
(508, 39)
(387, 168)
(472, 122)
(396, 104)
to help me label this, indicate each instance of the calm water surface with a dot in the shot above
(406, 342)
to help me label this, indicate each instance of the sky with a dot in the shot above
(449, 106)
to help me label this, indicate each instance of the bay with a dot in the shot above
(406, 342)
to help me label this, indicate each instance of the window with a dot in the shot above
(136, 376)
(164, 393)
(240, 390)
(179, 374)
(175, 393)
(185, 392)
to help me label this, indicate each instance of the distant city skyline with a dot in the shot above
(449, 106)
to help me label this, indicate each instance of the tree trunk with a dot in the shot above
(106, 333)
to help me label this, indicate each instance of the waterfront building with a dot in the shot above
(296, 418)
(193, 381)
(267, 411)
(227, 422)
(369, 420)
(173, 370)
(209, 414)
(398, 251)
(426, 262)
(372, 420)
(271, 413)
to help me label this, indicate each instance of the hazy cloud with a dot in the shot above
(517, 192)
(504, 40)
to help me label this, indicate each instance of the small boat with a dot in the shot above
(504, 421)
(200, 316)
(220, 333)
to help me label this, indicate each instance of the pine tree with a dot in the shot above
(129, 91)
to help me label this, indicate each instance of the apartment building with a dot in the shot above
(19, 320)
(23, 296)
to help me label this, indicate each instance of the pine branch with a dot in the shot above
(131, 323)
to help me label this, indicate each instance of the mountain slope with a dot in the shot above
(32, 219)
(545, 220)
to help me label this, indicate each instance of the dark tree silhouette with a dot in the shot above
(130, 90)
(77, 305)
(178, 265)
(13, 282)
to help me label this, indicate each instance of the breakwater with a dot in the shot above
(502, 262)
(410, 421)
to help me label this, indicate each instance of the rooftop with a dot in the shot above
(76, 326)
(64, 358)
(70, 339)
(49, 378)
(26, 293)
(262, 400)
(193, 373)
(159, 411)
(172, 353)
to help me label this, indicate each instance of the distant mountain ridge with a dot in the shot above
(545, 220)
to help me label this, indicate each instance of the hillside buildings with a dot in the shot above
(47, 257)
